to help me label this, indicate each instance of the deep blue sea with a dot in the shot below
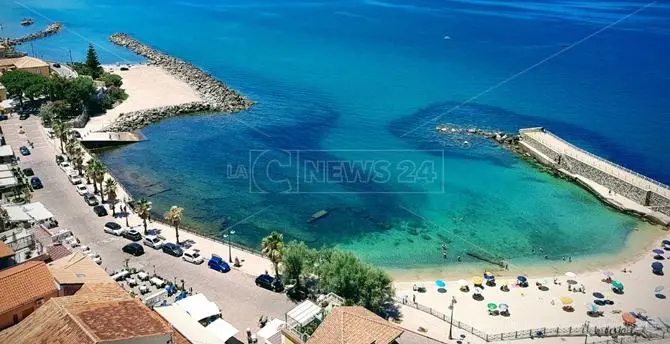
(347, 87)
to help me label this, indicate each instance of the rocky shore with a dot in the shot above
(216, 96)
(48, 31)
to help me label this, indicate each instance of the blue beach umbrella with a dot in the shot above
(658, 251)
(666, 242)
(440, 283)
(598, 295)
(657, 266)
(659, 289)
(522, 279)
(592, 308)
(503, 307)
(617, 285)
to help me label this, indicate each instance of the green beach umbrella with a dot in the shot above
(617, 285)
(492, 306)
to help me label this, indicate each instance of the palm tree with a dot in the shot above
(143, 211)
(4, 217)
(77, 157)
(90, 174)
(272, 246)
(174, 217)
(110, 189)
(27, 195)
(97, 172)
(61, 130)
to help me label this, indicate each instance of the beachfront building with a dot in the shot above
(73, 271)
(23, 244)
(26, 64)
(25, 288)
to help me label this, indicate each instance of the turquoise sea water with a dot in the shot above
(367, 81)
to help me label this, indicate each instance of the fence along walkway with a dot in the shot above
(573, 331)
(561, 146)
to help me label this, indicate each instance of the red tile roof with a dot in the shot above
(58, 251)
(354, 325)
(25, 283)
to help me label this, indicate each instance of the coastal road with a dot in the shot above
(241, 302)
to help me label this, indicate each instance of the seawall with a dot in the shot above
(48, 31)
(618, 186)
(215, 95)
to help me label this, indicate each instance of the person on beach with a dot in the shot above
(414, 298)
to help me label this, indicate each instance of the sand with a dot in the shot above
(147, 87)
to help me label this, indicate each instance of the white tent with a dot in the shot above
(270, 329)
(6, 150)
(16, 213)
(222, 329)
(38, 211)
(304, 313)
(199, 307)
(187, 326)
(5, 167)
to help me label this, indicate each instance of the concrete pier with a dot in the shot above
(108, 139)
(616, 185)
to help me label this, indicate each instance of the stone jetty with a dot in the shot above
(48, 31)
(216, 96)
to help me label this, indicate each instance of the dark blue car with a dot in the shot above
(270, 283)
(172, 249)
(217, 263)
(24, 150)
(36, 183)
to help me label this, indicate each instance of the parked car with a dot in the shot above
(100, 210)
(3, 117)
(24, 116)
(172, 249)
(96, 257)
(56, 65)
(28, 172)
(270, 283)
(74, 179)
(193, 256)
(36, 183)
(90, 199)
(60, 159)
(65, 166)
(113, 228)
(82, 189)
(153, 242)
(217, 263)
(134, 248)
(24, 150)
(133, 235)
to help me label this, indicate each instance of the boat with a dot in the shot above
(317, 216)
(27, 21)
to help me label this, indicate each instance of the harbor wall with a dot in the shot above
(616, 178)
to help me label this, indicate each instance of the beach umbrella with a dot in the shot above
(598, 295)
(477, 280)
(503, 307)
(440, 283)
(666, 242)
(489, 277)
(462, 283)
(591, 307)
(478, 290)
(608, 274)
(492, 306)
(659, 289)
(522, 279)
(566, 300)
(570, 274)
(628, 318)
(542, 282)
(617, 285)
(658, 251)
(657, 266)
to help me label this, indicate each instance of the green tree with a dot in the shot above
(144, 211)
(92, 63)
(111, 79)
(296, 259)
(20, 84)
(272, 246)
(61, 130)
(174, 217)
(110, 190)
(96, 172)
(79, 95)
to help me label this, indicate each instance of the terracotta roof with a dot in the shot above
(23, 62)
(103, 291)
(24, 283)
(56, 252)
(354, 325)
(77, 268)
(5, 250)
(89, 318)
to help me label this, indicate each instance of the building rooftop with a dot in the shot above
(77, 268)
(58, 251)
(99, 312)
(23, 62)
(354, 325)
(24, 283)
(5, 250)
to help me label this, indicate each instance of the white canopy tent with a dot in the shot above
(222, 329)
(304, 313)
(199, 307)
(28, 212)
(17, 214)
(6, 151)
(187, 326)
(270, 329)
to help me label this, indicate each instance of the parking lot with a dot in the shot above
(241, 302)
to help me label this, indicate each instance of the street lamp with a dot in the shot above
(230, 252)
(451, 319)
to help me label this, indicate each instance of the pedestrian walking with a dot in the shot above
(414, 298)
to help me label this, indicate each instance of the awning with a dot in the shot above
(304, 313)
(5, 167)
(270, 329)
(6, 174)
(187, 326)
(222, 329)
(38, 211)
(6, 150)
(17, 214)
(199, 307)
(8, 182)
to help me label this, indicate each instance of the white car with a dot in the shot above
(75, 180)
(82, 189)
(192, 256)
(96, 257)
(85, 249)
(114, 228)
(65, 166)
(153, 242)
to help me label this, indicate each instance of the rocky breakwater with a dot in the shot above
(139, 119)
(48, 31)
(500, 137)
(216, 96)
